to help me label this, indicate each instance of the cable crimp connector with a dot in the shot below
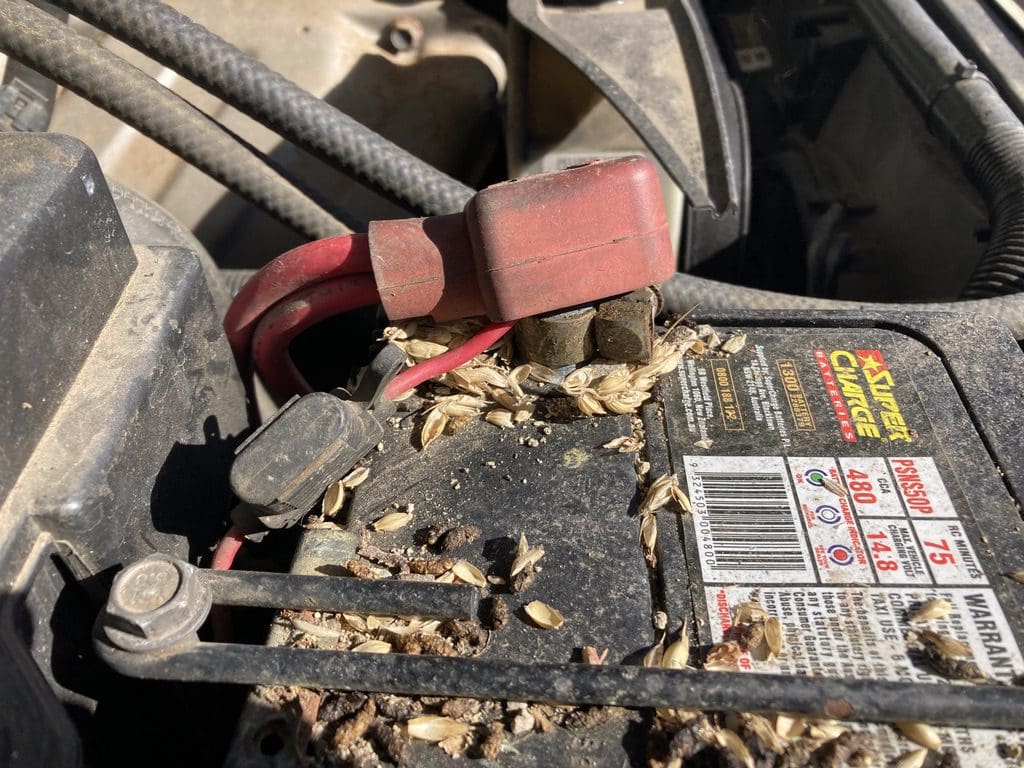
(285, 465)
(529, 246)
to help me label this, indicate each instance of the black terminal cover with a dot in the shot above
(309, 443)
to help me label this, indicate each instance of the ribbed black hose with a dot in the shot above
(250, 86)
(50, 47)
(964, 109)
(684, 292)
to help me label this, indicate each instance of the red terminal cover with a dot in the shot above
(538, 244)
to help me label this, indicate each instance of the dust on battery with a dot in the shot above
(364, 728)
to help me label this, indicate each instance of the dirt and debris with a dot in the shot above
(458, 537)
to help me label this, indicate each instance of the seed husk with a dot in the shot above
(526, 557)
(543, 615)
(499, 417)
(543, 374)
(577, 381)
(678, 653)
(658, 494)
(773, 636)
(433, 427)
(649, 537)
(1017, 576)
(469, 573)
(391, 521)
(624, 444)
(373, 646)
(731, 741)
(832, 486)
(747, 611)
(356, 477)
(592, 657)
(913, 759)
(724, 656)
(419, 349)
(354, 620)
(435, 728)
(704, 444)
(734, 343)
(613, 382)
(681, 499)
(334, 498)
(589, 404)
(655, 653)
(944, 644)
(920, 733)
(935, 608)
(789, 726)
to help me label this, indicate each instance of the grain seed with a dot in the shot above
(577, 381)
(391, 522)
(831, 485)
(734, 343)
(731, 741)
(372, 646)
(724, 656)
(334, 498)
(678, 653)
(543, 615)
(499, 417)
(469, 573)
(435, 728)
(921, 733)
(655, 653)
(773, 636)
(543, 374)
(589, 404)
(789, 726)
(423, 350)
(433, 426)
(747, 611)
(356, 477)
(624, 444)
(936, 608)
(525, 557)
(944, 644)
(649, 537)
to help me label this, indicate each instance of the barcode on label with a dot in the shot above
(746, 520)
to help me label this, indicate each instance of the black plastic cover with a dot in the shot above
(285, 465)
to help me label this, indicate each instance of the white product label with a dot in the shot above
(841, 551)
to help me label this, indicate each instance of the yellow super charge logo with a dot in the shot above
(860, 385)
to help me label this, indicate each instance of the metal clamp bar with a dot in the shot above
(863, 700)
(332, 593)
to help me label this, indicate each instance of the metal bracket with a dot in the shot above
(618, 685)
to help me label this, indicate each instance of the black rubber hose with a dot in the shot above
(250, 86)
(50, 47)
(684, 292)
(965, 109)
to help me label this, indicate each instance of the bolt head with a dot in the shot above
(155, 603)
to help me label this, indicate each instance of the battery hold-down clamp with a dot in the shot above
(520, 248)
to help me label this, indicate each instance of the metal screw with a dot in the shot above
(155, 603)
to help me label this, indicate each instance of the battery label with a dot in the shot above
(827, 498)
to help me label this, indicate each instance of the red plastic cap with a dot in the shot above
(559, 239)
(529, 246)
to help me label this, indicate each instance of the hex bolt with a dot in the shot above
(156, 603)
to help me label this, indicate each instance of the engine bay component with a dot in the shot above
(493, 481)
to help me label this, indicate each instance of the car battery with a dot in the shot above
(843, 471)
